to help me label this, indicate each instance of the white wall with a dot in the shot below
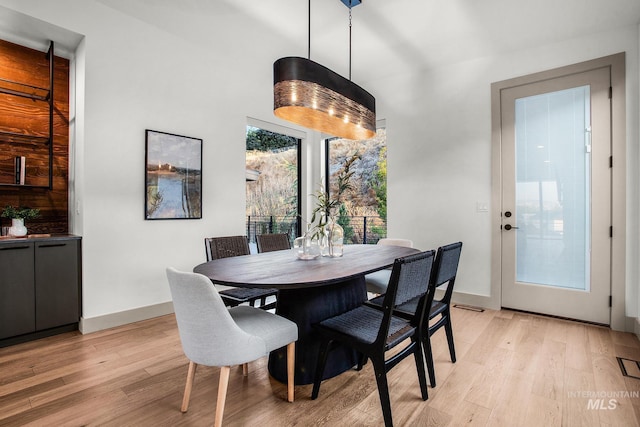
(443, 145)
(138, 77)
(634, 233)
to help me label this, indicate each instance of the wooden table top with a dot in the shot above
(283, 270)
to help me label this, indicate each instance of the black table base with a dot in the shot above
(306, 306)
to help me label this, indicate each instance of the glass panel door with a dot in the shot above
(553, 165)
(556, 196)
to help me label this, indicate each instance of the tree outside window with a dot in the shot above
(363, 215)
(272, 190)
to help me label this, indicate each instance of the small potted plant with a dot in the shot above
(17, 216)
(327, 229)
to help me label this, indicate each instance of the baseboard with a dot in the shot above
(635, 328)
(94, 324)
(474, 300)
(632, 324)
(38, 335)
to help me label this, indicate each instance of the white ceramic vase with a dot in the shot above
(17, 228)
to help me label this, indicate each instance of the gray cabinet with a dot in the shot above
(17, 293)
(40, 286)
(56, 283)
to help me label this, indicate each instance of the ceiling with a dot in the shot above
(36, 34)
(408, 34)
(389, 36)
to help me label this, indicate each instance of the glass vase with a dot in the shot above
(333, 239)
(306, 247)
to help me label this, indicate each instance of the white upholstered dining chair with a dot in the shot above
(214, 335)
(378, 280)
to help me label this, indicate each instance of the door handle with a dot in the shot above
(509, 227)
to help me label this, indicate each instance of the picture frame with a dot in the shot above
(173, 176)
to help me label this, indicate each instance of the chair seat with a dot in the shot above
(437, 307)
(231, 246)
(405, 310)
(378, 281)
(240, 295)
(363, 324)
(276, 331)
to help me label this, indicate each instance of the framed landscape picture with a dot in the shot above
(173, 178)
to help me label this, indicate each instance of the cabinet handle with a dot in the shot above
(14, 247)
(52, 245)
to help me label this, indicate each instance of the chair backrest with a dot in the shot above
(396, 242)
(208, 333)
(273, 242)
(225, 247)
(446, 268)
(409, 280)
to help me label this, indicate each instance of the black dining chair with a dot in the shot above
(378, 280)
(444, 273)
(272, 242)
(230, 246)
(372, 332)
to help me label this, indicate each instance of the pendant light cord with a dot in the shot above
(309, 34)
(349, 40)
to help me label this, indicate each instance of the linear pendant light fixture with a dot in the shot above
(313, 96)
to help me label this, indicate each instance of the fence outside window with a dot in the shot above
(358, 229)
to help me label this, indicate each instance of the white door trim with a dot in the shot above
(618, 215)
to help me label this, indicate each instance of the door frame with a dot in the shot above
(616, 63)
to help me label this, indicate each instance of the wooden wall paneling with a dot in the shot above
(31, 117)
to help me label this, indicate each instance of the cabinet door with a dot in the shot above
(57, 283)
(17, 310)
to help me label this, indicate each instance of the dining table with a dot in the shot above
(309, 291)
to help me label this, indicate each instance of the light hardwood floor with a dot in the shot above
(513, 369)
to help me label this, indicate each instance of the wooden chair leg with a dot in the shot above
(291, 358)
(245, 369)
(187, 388)
(222, 394)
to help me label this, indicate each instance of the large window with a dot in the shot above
(363, 214)
(272, 183)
